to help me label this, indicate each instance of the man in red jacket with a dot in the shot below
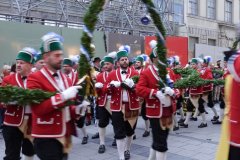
(140, 68)
(232, 99)
(53, 121)
(69, 72)
(159, 108)
(207, 96)
(124, 104)
(194, 100)
(17, 118)
(103, 101)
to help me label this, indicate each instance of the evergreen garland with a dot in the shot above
(21, 96)
(191, 78)
(90, 20)
(161, 48)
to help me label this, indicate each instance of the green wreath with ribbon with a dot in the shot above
(21, 96)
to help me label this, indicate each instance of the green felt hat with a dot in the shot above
(102, 63)
(26, 54)
(108, 59)
(194, 60)
(67, 61)
(139, 58)
(51, 42)
(122, 53)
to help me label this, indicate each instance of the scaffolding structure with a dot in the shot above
(119, 16)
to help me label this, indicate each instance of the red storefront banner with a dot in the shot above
(175, 46)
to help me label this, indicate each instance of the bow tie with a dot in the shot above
(55, 75)
(24, 78)
(124, 72)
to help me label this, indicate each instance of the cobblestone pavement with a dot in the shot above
(189, 143)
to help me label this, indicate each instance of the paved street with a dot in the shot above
(186, 144)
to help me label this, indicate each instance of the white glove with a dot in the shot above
(129, 82)
(81, 109)
(160, 95)
(71, 92)
(169, 91)
(115, 83)
(165, 100)
(98, 85)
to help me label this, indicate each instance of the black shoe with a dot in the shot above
(127, 155)
(193, 119)
(85, 140)
(134, 137)
(216, 122)
(183, 125)
(101, 149)
(95, 136)
(181, 121)
(114, 143)
(146, 134)
(215, 118)
(175, 128)
(202, 125)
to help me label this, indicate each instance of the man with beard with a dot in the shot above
(17, 118)
(103, 101)
(124, 104)
(140, 68)
(159, 107)
(68, 70)
(52, 120)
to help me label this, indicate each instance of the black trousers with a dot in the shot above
(221, 100)
(143, 111)
(48, 149)
(13, 138)
(104, 117)
(201, 107)
(80, 122)
(179, 102)
(234, 153)
(121, 128)
(14, 142)
(210, 100)
(159, 135)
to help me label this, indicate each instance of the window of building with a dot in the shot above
(178, 11)
(211, 9)
(212, 42)
(193, 7)
(191, 46)
(228, 11)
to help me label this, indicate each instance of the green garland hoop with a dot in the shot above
(90, 20)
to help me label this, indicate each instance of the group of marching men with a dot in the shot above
(198, 96)
(52, 123)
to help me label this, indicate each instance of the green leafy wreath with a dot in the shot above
(90, 20)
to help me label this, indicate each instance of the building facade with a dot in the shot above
(208, 22)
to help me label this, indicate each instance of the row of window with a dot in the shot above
(211, 9)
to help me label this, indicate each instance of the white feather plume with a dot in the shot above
(176, 58)
(112, 54)
(153, 43)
